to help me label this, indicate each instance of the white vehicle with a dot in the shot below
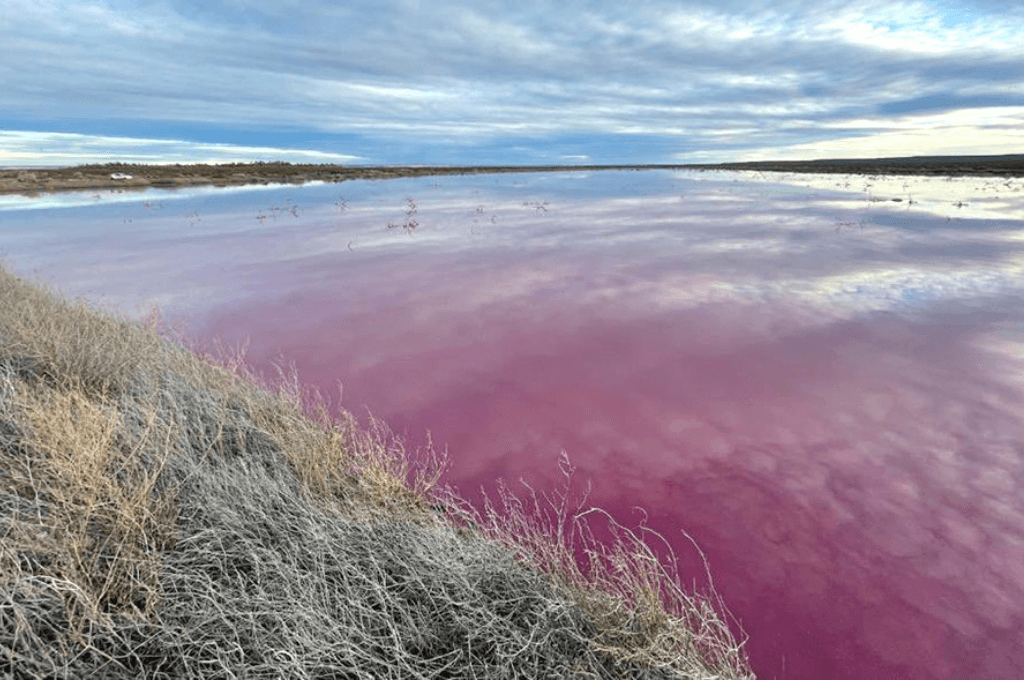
(120, 175)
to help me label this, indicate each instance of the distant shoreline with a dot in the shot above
(137, 176)
(934, 166)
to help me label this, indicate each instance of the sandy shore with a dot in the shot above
(127, 176)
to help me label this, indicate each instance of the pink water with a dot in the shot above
(824, 390)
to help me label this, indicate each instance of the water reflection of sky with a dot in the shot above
(822, 385)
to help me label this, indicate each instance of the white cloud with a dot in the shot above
(965, 132)
(60, 149)
(924, 28)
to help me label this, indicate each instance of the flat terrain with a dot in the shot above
(942, 166)
(87, 177)
(110, 175)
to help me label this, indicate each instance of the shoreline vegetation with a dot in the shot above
(139, 176)
(166, 513)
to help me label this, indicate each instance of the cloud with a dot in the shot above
(60, 149)
(949, 101)
(993, 130)
(424, 76)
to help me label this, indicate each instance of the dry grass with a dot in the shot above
(626, 590)
(169, 515)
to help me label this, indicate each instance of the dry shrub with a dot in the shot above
(83, 528)
(628, 591)
(68, 341)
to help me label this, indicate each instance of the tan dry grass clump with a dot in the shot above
(168, 515)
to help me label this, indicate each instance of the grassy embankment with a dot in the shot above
(170, 515)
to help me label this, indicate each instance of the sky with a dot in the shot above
(525, 82)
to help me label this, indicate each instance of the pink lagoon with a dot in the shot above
(820, 380)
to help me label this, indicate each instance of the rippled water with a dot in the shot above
(820, 379)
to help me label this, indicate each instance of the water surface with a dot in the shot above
(820, 379)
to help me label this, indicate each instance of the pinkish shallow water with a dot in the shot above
(823, 386)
